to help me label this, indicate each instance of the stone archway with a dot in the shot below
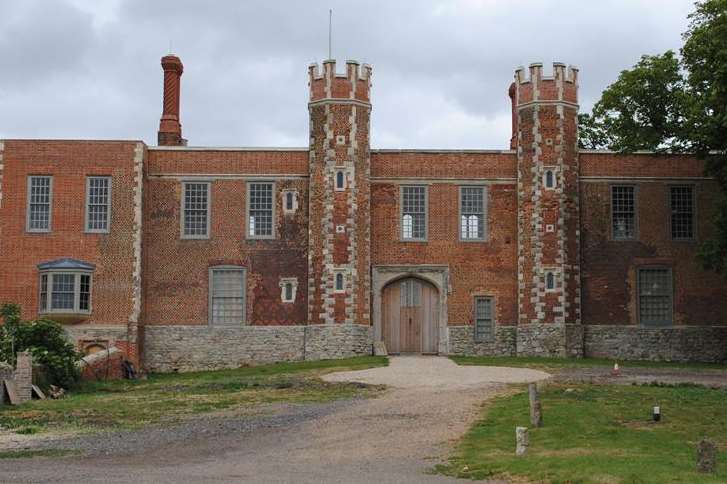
(437, 275)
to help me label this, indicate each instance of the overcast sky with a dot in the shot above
(90, 68)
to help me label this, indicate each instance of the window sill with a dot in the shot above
(70, 317)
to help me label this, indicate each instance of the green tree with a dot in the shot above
(45, 339)
(705, 59)
(664, 104)
(643, 110)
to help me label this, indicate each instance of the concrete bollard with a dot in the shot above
(536, 411)
(706, 456)
(522, 441)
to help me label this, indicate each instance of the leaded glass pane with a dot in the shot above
(623, 209)
(63, 291)
(682, 212)
(414, 206)
(98, 203)
(39, 199)
(260, 219)
(228, 297)
(472, 209)
(196, 206)
(655, 296)
(484, 324)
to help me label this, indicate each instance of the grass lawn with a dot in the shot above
(124, 404)
(597, 433)
(558, 363)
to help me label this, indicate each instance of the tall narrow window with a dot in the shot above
(682, 212)
(40, 194)
(289, 199)
(623, 212)
(260, 210)
(98, 203)
(340, 180)
(339, 282)
(655, 296)
(195, 205)
(413, 213)
(227, 295)
(550, 280)
(484, 320)
(472, 213)
(549, 179)
(43, 293)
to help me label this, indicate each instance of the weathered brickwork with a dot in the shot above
(150, 295)
(548, 231)
(339, 235)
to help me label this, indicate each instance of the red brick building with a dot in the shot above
(194, 257)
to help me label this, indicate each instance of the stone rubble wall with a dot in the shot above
(541, 340)
(195, 348)
(462, 343)
(696, 343)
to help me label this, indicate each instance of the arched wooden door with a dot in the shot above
(410, 317)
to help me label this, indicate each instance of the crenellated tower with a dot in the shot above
(339, 210)
(546, 113)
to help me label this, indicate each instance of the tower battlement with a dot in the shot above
(561, 86)
(326, 83)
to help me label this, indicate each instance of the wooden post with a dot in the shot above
(536, 412)
(706, 456)
(522, 440)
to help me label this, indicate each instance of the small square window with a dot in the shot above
(288, 289)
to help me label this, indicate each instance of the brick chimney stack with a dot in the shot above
(170, 130)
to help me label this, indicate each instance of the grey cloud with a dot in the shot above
(441, 68)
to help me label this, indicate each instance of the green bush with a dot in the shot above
(45, 340)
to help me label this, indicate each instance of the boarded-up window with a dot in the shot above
(655, 296)
(227, 296)
(484, 319)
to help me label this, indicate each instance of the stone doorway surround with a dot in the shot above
(438, 275)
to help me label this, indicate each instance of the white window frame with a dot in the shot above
(210, 295)
(273, 209)
(693, 213)
(88, 205)
(401, 214)
(635, 192)
(206, 235)
(50, 204)
(76, 273)
(484, 214)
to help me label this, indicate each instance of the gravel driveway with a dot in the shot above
(390, 439)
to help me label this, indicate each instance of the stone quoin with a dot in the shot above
(188, 258)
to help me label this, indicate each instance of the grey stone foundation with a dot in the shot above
(193, 348)
(695, 343)
(462, 343)
(541, 340)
